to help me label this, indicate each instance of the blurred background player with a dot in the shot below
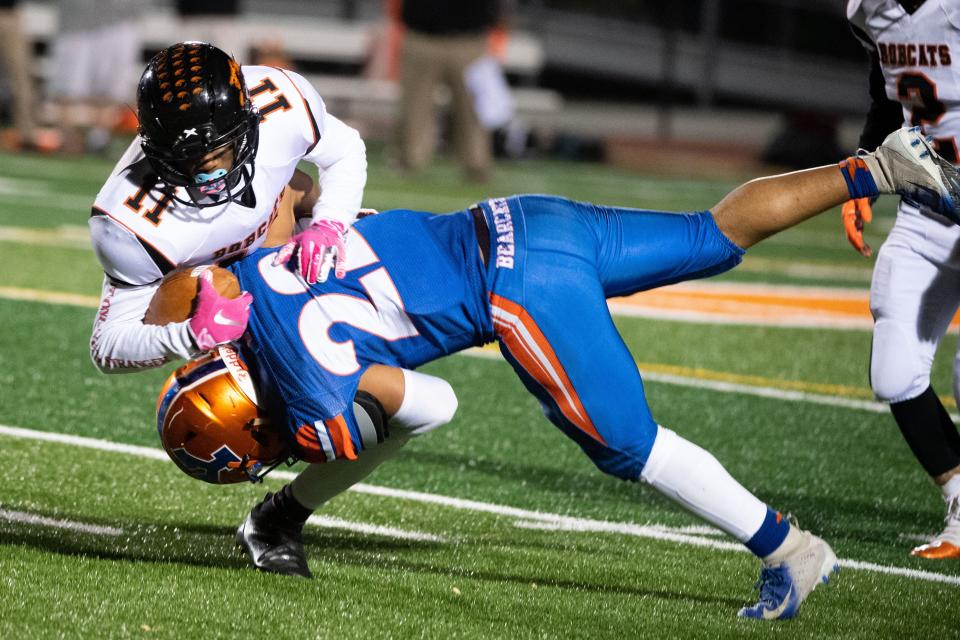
(441, 41)
(202, 184)
(16, 57)
(914, 47)
(96, 56)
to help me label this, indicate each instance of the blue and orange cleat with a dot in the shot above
(785, 586)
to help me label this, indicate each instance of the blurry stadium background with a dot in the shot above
(599, 80)
(496, 526)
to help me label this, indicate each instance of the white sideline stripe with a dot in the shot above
(656, 532)
(928, 576)
(742, 389)
(158, 454)
(373, 529)
(523, 515)
(664, 533)
(23, 517)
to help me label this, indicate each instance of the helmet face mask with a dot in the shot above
(191, 102)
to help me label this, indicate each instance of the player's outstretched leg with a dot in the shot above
(794, 561)
(272, 533)
(904, 164)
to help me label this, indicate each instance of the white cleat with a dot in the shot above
(785, 586)
(906, 164)
(946, 545)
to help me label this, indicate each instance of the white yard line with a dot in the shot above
(373, 529)
(33, 519)
(524, 518)
(738, 388)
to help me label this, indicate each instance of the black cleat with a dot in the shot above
(273, 546)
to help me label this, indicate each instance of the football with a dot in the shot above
(174, 300)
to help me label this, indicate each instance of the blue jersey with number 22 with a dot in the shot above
(311, 344)
(417, 289)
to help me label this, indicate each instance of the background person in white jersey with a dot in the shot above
(201, 183)
(915, 48)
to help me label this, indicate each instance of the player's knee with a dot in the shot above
(626, 457)
(896, 384)
(898, 371)
(428, 403)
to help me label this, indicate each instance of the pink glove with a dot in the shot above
(217, 319)
(322, 238)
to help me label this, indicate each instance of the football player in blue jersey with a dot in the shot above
(534, 273)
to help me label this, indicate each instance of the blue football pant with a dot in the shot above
(553, 324)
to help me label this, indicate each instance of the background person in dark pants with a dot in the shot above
(442, 39)
(15, 65)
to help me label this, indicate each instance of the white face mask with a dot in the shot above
(211, 183)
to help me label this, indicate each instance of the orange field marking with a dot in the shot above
(754, 304)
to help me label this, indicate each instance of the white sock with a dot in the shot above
(428, 402)
(318, 483)
(691, 476)
(794, 540)
(951, 488)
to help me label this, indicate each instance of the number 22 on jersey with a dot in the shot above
(381, 315)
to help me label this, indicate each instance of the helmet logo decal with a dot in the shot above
(235, 80)
(206, 470)
(190, 132)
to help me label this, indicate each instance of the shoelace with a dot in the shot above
(771, 584)
(952, 519)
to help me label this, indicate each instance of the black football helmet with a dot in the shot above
(192, 100)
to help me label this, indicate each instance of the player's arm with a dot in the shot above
(121, 341)
(340, 156)
(295, 206)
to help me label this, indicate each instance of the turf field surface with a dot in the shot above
(493, 526)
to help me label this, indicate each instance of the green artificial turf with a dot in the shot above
(172, 570)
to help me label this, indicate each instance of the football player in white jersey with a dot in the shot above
(201, 183)
(916, 282)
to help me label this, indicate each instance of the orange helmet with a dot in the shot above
(210, 424)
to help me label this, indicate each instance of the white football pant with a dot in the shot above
(914, 295)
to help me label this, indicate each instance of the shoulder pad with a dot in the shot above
(952, 11)
(124, 256)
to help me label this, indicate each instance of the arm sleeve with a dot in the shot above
(340, 157)
(885, 115)
(121, 342)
